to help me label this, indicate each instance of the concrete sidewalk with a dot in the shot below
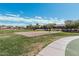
(57, 48)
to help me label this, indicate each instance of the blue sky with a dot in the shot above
(22, 14)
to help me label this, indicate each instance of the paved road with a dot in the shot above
(57, 48)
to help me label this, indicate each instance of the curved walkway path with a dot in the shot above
(57, 48)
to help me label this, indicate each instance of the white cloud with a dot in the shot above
(13, 15)
(24, 20)
(38, 17)
(57, 21)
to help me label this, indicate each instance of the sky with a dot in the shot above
(22, 14)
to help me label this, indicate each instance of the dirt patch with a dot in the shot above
(32, 34)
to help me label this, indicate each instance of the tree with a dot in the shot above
(50, 26)
(37, 26)
(77, 24)
(72, 24)
(69, 24)
(29, 26)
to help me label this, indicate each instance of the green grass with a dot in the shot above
(72, 48)
(11, 31)
(16, 45)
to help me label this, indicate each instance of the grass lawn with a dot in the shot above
(72, 48)
(11, 31)
(16, 45)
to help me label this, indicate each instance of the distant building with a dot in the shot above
(7, 28)
(59, 27)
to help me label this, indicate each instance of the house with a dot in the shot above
(8, 28)
(59, 27)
